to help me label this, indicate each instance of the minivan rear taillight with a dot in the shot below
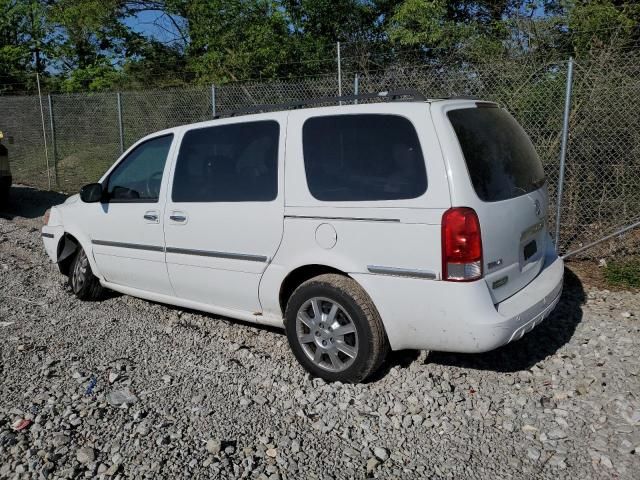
(461, 245)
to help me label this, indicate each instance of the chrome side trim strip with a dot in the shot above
(229, 256)
(402, 272)
(357, 219)
(135, 246)
(47, 235)
(532, 229)
(184, 251)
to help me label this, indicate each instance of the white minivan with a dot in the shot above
(407, 224)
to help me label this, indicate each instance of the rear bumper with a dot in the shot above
(533, 303)
(461, 317)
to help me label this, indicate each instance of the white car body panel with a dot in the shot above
(117, 229)
(366, 233)
(392, 248)
(500, 222)
(251, 229)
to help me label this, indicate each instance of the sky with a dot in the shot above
(155, 24)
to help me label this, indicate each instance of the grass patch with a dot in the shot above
(623, 274)
(84, 164)
(76, 165)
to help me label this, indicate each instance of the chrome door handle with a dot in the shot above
(151, 217)
(177, 218)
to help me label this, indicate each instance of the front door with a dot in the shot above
(224, 214)
(126, 229)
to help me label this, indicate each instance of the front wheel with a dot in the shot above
(334, 329)
(83, 282)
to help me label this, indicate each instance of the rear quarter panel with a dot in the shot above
(502, 223)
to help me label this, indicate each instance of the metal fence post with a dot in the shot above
(120, 126)
(213, 100)
(44, 132)
(356, 86)
(339, 72)
(54, 150)
(563, 148)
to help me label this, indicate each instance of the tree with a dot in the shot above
(596, 24)
(438, 28)
(90, 44)
(23, 43)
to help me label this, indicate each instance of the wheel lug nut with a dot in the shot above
(317, 334)
(324, 342)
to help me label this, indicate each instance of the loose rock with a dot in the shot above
(215, 398)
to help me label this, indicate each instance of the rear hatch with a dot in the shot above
(509, 181)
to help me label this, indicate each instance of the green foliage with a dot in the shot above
(91, 44)
(598, 23)
(92, 78)
(154, 64)
(232, 39)
(23, 42)
(421, 22)
(625, 273)
(450, 28)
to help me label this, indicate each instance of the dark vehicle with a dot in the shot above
(5, 173)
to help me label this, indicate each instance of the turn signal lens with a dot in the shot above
(461, 245)
(45, 218)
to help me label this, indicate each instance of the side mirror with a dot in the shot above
(91, 193)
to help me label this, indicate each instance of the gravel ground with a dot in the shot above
(128, 388)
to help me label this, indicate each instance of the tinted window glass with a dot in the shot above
(138, 176)
(363, 157)
(500, 157)
(229, 163)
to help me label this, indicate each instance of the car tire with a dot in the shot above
(84, 284)
(334, 329)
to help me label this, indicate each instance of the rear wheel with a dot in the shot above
(83, 282)
(334, 329)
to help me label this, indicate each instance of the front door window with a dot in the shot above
(138, 177)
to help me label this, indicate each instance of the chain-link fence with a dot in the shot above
(85, 133)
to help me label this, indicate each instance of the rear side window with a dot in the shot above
(500, 157)
(228, 163)
(363, 158)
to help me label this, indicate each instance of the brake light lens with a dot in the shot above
(461, 245)
(46, 216)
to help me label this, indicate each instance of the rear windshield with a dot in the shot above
(500, 157)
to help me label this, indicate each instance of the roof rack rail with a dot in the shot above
(392, 95)
(462, 97)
